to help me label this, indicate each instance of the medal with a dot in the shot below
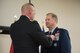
(55, 44)
(57, 36)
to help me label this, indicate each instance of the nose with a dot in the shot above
(46, 22)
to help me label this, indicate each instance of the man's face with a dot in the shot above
(50, 22)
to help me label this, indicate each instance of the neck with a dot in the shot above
(50, 29)
(27, 16)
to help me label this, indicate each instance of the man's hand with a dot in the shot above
(52, 37)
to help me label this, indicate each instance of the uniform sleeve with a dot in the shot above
(65, 42)
(38, 36)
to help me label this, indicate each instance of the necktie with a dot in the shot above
(49, 33)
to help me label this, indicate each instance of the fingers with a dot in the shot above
(52, 37)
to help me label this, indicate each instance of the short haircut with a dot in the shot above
(54, 16)
(25, 5)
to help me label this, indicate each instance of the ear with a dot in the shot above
(29, 12)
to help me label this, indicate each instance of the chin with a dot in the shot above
(47, 26)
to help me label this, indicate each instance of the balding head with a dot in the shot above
(28, 10)
(26, 6)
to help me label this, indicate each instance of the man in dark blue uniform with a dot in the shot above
(62, 40)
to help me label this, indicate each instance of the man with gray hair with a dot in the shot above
(26, 34)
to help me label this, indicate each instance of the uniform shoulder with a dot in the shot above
(63, 30)
(34, 21)
(13, 24)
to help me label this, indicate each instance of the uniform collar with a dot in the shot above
(52, 30)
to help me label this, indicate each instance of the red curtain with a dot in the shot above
(11, 48)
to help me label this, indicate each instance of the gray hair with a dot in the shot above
(26, 5)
